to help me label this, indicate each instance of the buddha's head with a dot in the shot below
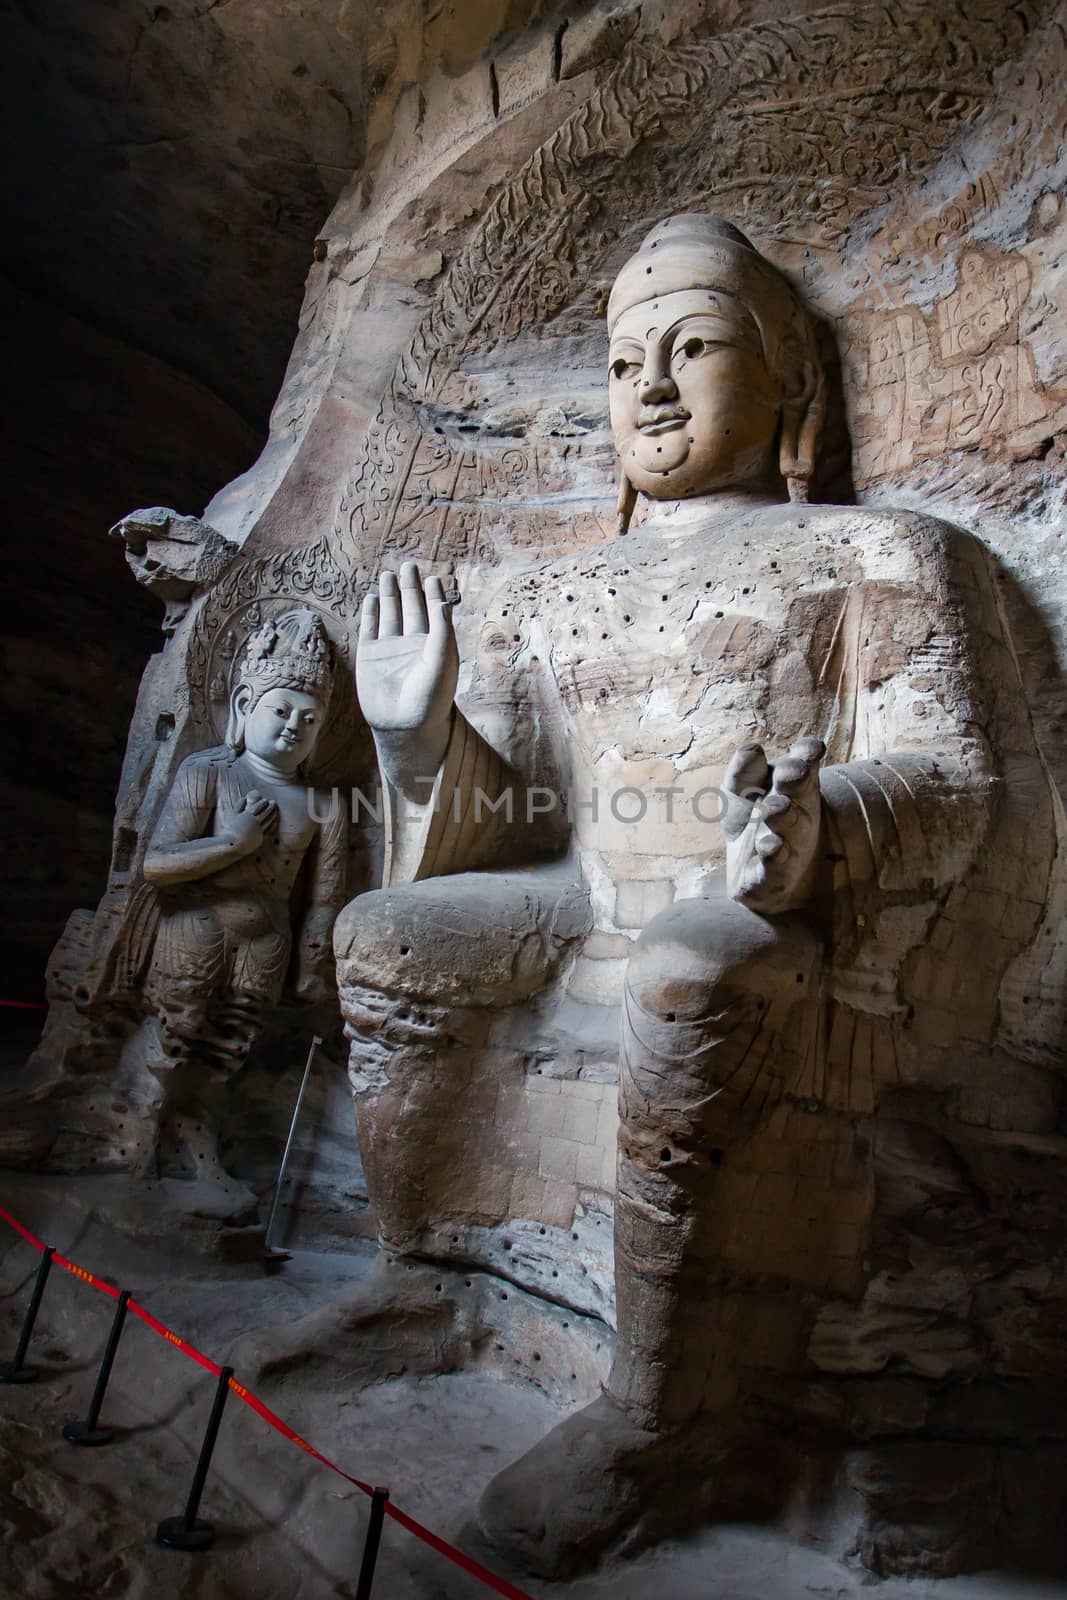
(281, 696)
(714, 377)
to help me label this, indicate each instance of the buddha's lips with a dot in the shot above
(661, 419)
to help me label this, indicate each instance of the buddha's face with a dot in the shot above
(282, 727)
(693, 406)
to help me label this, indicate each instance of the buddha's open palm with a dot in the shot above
(407, 662)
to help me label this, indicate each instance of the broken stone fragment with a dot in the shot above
(172, 556)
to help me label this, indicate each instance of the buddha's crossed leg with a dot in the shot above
(718, 1014)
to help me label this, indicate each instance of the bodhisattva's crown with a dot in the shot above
(292, 651)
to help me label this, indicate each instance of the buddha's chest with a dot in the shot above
(681, 664)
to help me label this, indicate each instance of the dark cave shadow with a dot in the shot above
(832, 482)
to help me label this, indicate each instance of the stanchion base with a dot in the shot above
(81, 1433)
(174, 1535)
(9, 1373)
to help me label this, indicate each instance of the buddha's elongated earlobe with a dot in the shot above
(802, 416)
(624, 509)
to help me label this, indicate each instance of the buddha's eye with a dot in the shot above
(622, 367)
(691, 348)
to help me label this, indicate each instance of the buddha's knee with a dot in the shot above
(476, 939)
(715, 1003)
(707, 953)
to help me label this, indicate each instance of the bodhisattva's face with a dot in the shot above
(693, 406)
(282, 727)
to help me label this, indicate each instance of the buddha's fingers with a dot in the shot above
(746, 779)
(748, 771)
(796, 777)
(776, 816)
(808, 749)
(440, 612)
(389, 618)
(769, 842)
(412, 602)
(368, 619)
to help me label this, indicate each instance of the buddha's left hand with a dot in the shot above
(773, 825)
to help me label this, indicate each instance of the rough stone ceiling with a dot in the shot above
(174, 162)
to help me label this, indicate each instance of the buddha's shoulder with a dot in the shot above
(890, 544)
(854, 543)
(873, 525)
(846, 541)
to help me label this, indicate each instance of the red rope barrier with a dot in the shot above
(464, 1562)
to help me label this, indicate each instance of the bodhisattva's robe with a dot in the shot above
(223, 942)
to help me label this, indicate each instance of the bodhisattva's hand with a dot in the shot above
(773, 826)
(407, 665)
(250, 822)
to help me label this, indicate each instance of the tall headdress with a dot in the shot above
(700, 251)
(292, 651)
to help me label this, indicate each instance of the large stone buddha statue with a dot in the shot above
(800, 730)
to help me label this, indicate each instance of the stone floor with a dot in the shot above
(79, 1522)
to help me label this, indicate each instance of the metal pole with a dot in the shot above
(87, 1432)
(267, 1247)
(184, 1532)
(14, 1371)
(370, 1548)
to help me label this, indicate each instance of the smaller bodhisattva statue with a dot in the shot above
(237, 856)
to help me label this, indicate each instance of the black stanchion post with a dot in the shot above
(15, 1371)
(88, 1432)
(374, 1539)
(184, 1532)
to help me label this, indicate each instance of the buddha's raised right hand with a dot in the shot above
(407, 665)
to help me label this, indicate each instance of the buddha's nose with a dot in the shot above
(656, 381)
